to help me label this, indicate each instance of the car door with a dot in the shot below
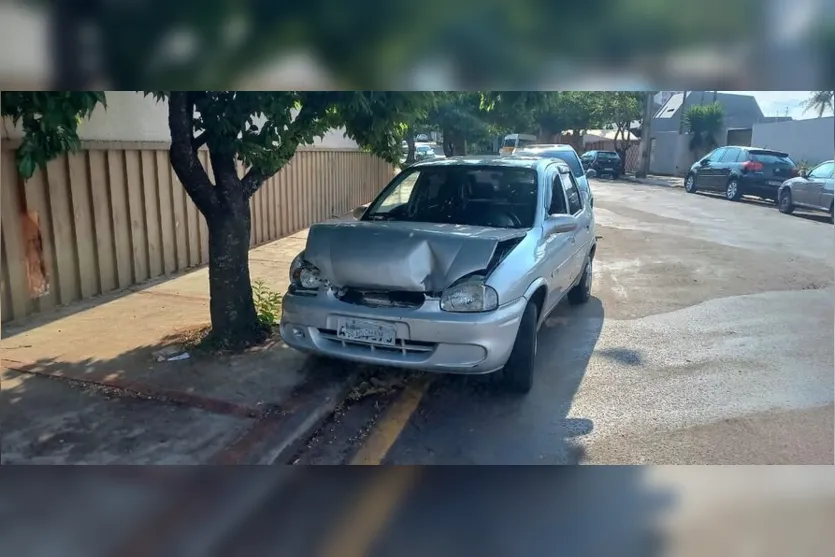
(725, 166)
(821, 192)
(805, 191)
(709, 173)
(557, 250)
(581, 242)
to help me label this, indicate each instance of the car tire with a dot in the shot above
(581, 293)
(517, 374)
(832, 214)
(615, 176)
(784, 204)
(690, 184)
(732, 190)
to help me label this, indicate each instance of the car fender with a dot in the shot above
(785, 185)
(534, 287)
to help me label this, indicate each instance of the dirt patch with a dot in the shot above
(196, 341)
(643, 273)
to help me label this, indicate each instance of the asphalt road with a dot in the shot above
(708, 341)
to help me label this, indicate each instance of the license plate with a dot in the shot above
(774, 183)
(366, 331)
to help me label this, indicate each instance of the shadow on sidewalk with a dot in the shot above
(135, 409)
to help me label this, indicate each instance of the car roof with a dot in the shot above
(547, 147)
(512, 161)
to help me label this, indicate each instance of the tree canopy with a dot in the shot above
(704, 121)
(49, 121)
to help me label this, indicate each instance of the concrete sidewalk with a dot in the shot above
(85, 384)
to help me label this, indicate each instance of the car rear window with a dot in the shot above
(605, 155)
(771, 157)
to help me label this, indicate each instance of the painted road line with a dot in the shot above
(362, 524)
(385, 433)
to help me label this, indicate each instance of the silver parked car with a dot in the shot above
(452, 268)
(812, 190)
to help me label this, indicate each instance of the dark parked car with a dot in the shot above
(602, 162)
(737, 171)
(812, 190)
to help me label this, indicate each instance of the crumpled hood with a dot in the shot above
(414, 257)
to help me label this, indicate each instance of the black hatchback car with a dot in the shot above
(737, 171)
(602, 162)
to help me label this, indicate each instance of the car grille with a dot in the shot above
(404, 347)
(381, 299)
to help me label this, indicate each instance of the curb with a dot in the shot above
(278, 432)
(649, 182)
(278, 436)
(136, 389)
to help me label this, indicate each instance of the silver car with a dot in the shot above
(812, 190)
(452, 268)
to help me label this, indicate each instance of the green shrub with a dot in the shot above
(267, 303)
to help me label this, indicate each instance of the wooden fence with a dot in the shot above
(114, 214)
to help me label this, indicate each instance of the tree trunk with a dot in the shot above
(235, 322)
(449, 146)
(410, 143)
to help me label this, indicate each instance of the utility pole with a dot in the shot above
(681, 114)
(646, 140)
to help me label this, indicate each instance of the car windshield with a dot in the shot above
(423, 149)
(567, 156)
(463, 195)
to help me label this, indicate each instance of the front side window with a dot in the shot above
(558, 205)
(462, 195)
(572, 193)
(823, 171)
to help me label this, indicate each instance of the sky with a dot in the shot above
(775, 103)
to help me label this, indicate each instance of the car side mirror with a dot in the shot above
(558, 224)
(591, 173)
(359, 212)
(704, 162)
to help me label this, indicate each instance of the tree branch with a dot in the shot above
(255, 177)
(184, 159)
(200, 140)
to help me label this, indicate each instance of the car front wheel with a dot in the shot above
(785, 204)
(517, 374)
(690, 183)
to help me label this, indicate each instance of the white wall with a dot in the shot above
(130, 116)
(812, 140)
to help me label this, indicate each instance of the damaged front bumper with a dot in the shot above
(426, 338)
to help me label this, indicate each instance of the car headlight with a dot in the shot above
(469, 297)
(305, 275)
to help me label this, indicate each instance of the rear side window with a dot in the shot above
(731, 155)
(526, 142)
(766, 157)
